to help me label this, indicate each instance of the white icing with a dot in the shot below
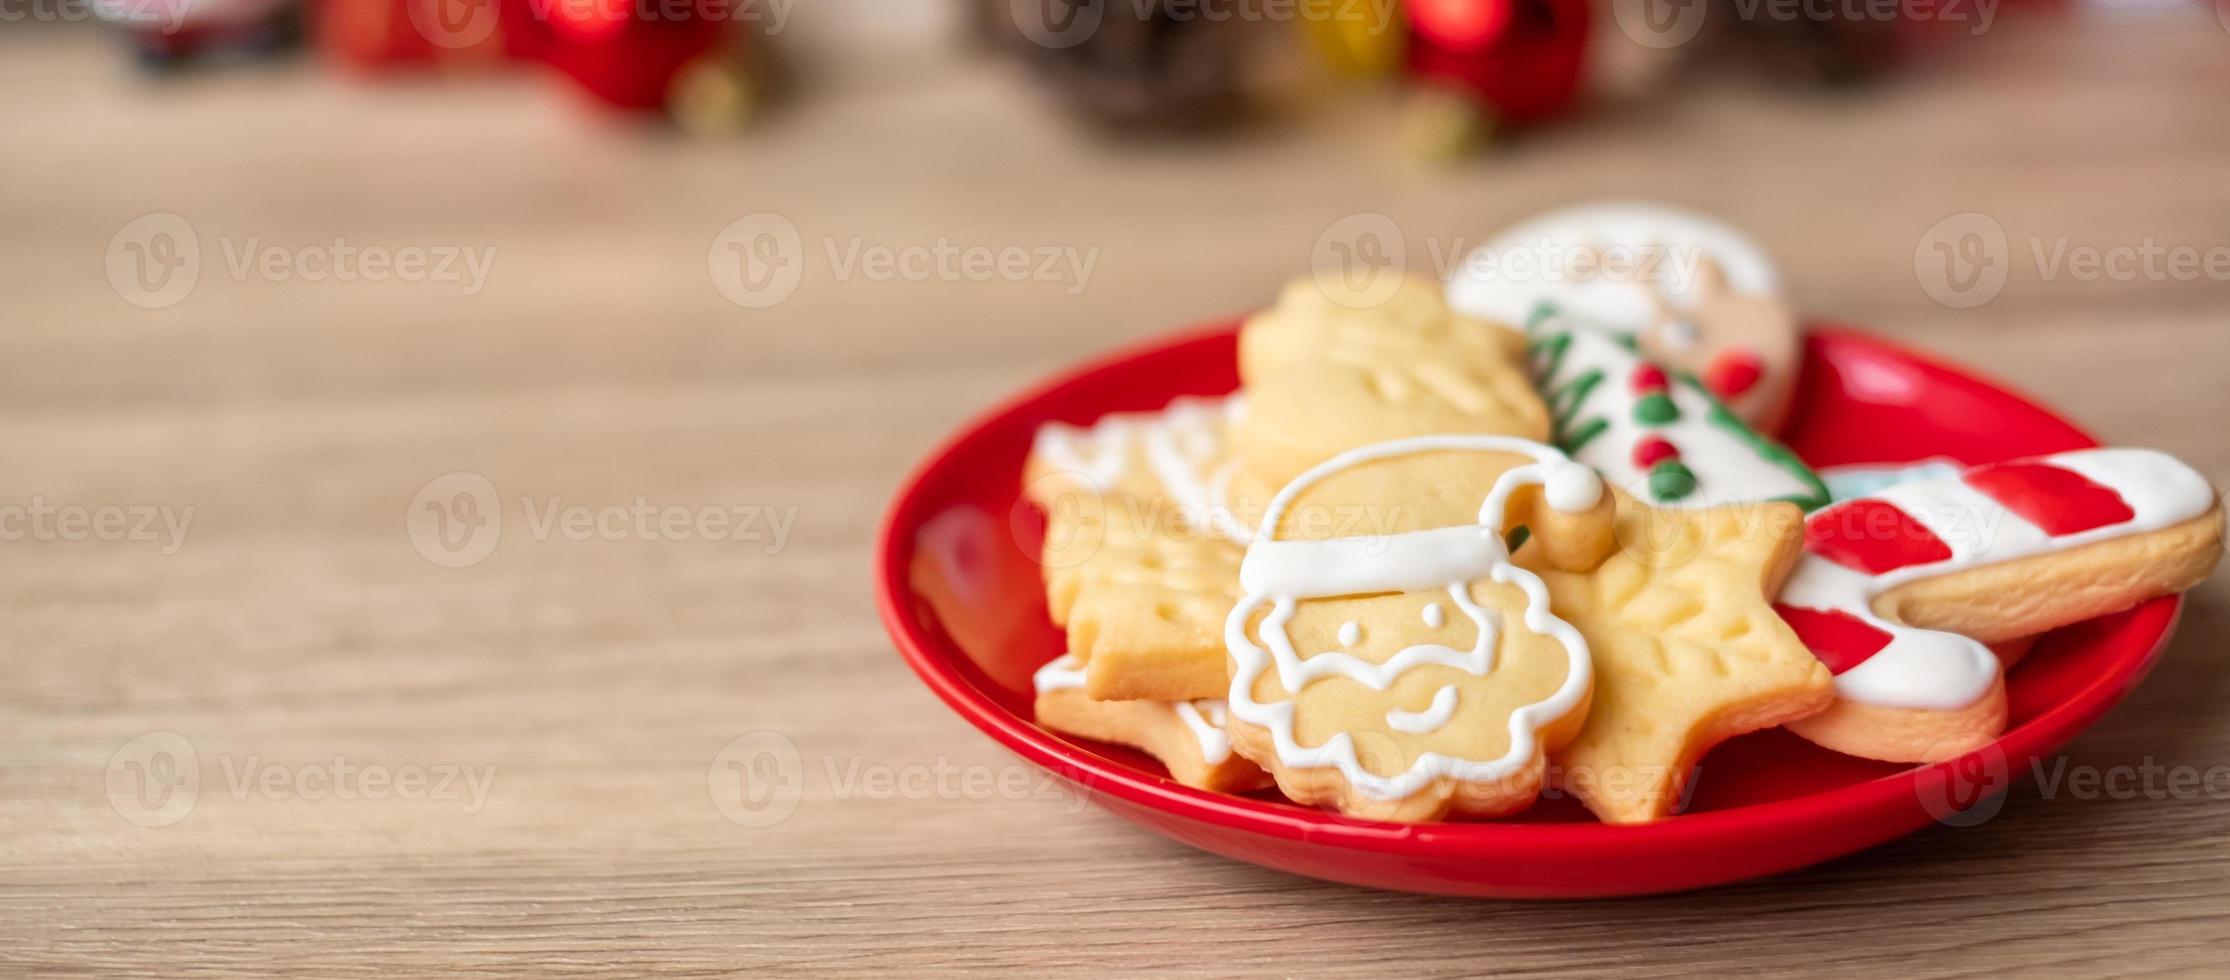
(1426, 722)
(1215, 745)
(1062, 673)
(1935, 670)
(1282, 573)
(1864, 479)
(1727, 467)
(1572, 488)
(1179, 444)
(1203, 717)
(1435, 617)
(1351, 633)
(1509, 277)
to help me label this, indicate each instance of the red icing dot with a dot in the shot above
(1648, 378)
(1872, 536)
(1734, 372)
(1651, 450)
(2056, 500)
(1841, 641)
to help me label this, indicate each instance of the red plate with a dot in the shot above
(957, 582)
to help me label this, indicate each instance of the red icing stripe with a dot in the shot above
(2057, 500)
(1872, 536)
(1841, 641)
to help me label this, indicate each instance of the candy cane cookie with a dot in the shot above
(1411, 673)
(1900, 591)
(1186, 736)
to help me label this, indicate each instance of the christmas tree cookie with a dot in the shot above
(1657, 435)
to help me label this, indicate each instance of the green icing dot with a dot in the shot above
(1656, 409)
(1671, 480)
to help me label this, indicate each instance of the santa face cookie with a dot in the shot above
(1688, 651)
(1694, 294)
(1410, 674)
(1327, 371)
(1135, 568)
(1186, 736)
(1899, 592)
(1654, 433)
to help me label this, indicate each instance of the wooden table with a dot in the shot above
(297, 640)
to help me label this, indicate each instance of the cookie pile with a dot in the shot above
(1450, 548)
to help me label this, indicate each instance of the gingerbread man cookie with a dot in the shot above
(1694, 294)
(1134, 566)
(1407, 675)
(1899, 592)
(1688, 651)
(1328, 370)
(1186, 736)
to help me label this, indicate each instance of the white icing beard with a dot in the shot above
(1280, 574)
(1511, 276)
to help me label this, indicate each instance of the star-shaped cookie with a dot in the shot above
(1688, 650)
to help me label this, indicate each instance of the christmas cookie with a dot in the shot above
(1187, 736)
(1688, 651)
(1410, 674)
(1694, 294)
(1329, 369)
(1899, 592)
(1135, 570)
(1656, 434)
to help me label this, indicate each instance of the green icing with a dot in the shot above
(1543, 312)
(1573, 440)
(1816, 496)
(1656, 409)
(1568, 399)
(1547, 354)
(1671, 480)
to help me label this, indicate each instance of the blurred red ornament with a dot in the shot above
(385, 35)
(625, 54)
(1519, 61)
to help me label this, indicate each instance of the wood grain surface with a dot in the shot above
(296, 640)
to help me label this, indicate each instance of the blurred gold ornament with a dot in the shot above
(714, 96)
(1358, 38)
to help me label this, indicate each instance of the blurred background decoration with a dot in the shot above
(1452, 75)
